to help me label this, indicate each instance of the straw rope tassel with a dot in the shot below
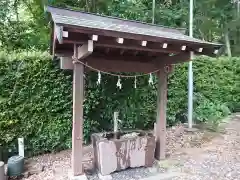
(150, 81)
(99, 78)
(119, 83)
(135, 82)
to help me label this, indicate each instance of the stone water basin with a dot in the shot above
(122, 150)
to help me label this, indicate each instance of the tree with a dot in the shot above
(26, 23)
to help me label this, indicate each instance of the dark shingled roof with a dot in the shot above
(93, 21)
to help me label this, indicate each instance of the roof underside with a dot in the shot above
(139, 41)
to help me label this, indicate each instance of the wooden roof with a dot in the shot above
(123, 39)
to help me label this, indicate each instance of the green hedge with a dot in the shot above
(36, 99)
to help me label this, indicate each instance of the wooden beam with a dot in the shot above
(161, 115)
(77, 127)
(122, 51)
(78, 38)
(208, 48)
(135, 53)
(66, 63)
(124, 35)
(165, 45)
(132, 63)
(107, 50)
(144, 43)
(150, 54)
(94, 37)
(85, 50)
(133, 47)
(130, 46)
(65, 34)
(183, 47)
(151, 47)
(200, 50)
(120, 65)
(191, 46)
(166, 60)
(114, 55)
(127, 63)
(120, 40)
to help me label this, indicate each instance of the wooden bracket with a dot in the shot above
(59, 33)
(85, 50)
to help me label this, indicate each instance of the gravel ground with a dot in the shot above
(218, 159)
(198, 155)
(57, 166)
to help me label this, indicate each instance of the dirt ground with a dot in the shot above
(197, 155)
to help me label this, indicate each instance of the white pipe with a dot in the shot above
(238, 8)
(153, 11)
(21, 147)
(191, 19)
(190, 71)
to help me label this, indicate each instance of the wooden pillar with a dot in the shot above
(161, 115)
(77, 130)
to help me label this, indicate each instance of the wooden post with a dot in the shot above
(161, 115)
(80, 53)
(77, 131)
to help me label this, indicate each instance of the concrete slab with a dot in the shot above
(191, 130)
(81, 177)
(104, 177)
(164, 176)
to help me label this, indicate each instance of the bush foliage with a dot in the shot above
(36, 99)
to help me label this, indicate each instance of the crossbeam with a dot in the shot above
(127, 63)
(128, 45)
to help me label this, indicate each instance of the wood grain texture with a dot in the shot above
(77, 131)
(160, 152)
